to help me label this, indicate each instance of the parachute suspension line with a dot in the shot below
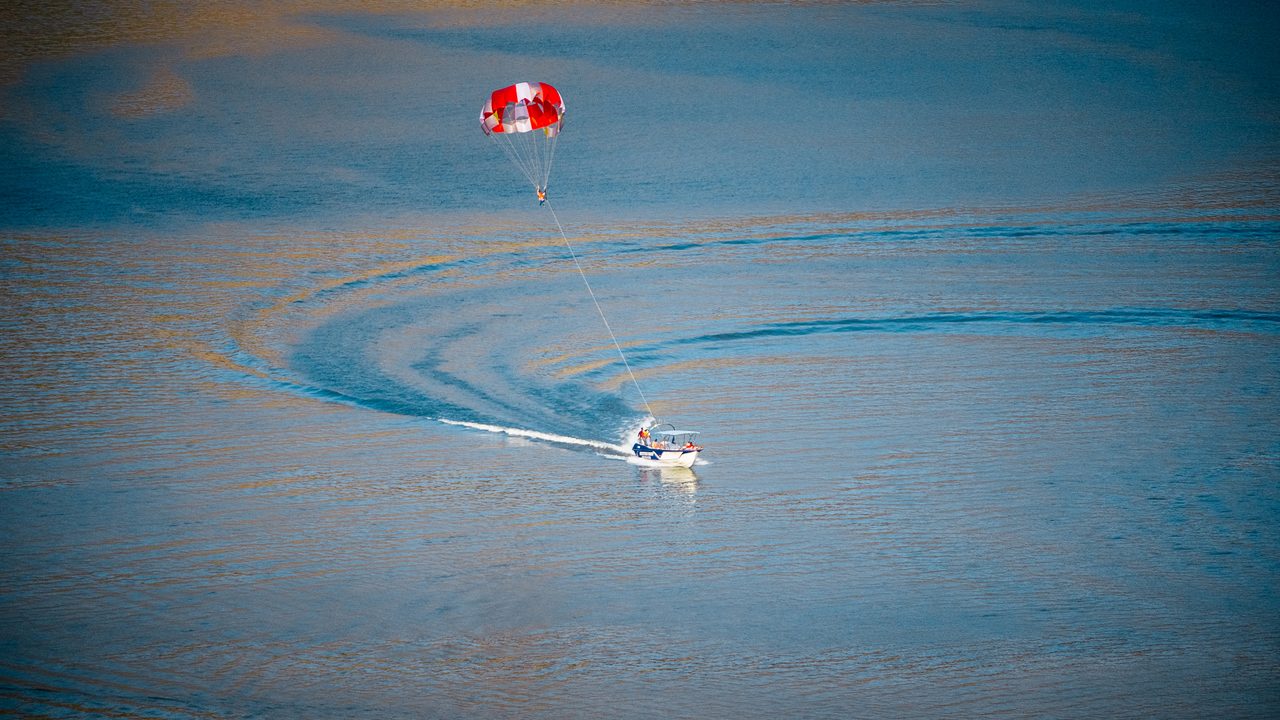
(540, 160)
(535, 159)
(512, 150)
(551, 153)
(531, 158)
(592, 293)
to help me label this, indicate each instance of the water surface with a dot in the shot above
(307, 412)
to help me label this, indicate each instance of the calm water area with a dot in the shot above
(307, 413)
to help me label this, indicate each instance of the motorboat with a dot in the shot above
(666, 445)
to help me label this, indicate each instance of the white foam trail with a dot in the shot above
(535, 435)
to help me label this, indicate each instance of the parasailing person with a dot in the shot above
(525, 120)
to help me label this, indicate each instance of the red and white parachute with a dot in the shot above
(525, 120)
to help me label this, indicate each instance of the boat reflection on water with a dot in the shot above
(672, 479)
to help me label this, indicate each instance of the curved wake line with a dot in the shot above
(545, 437)
(620, 449)
(1257, 321)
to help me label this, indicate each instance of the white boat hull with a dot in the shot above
(669, 456)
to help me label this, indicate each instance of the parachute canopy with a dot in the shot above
(522, 108)
(525, 120)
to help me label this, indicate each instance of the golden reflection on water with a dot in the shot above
(361, 281)
(164, 91)
(32, 30)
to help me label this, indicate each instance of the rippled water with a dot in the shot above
(268, 454)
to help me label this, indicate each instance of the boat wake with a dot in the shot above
(611, 450)
(494, 334)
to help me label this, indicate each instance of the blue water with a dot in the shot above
(308, 413)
